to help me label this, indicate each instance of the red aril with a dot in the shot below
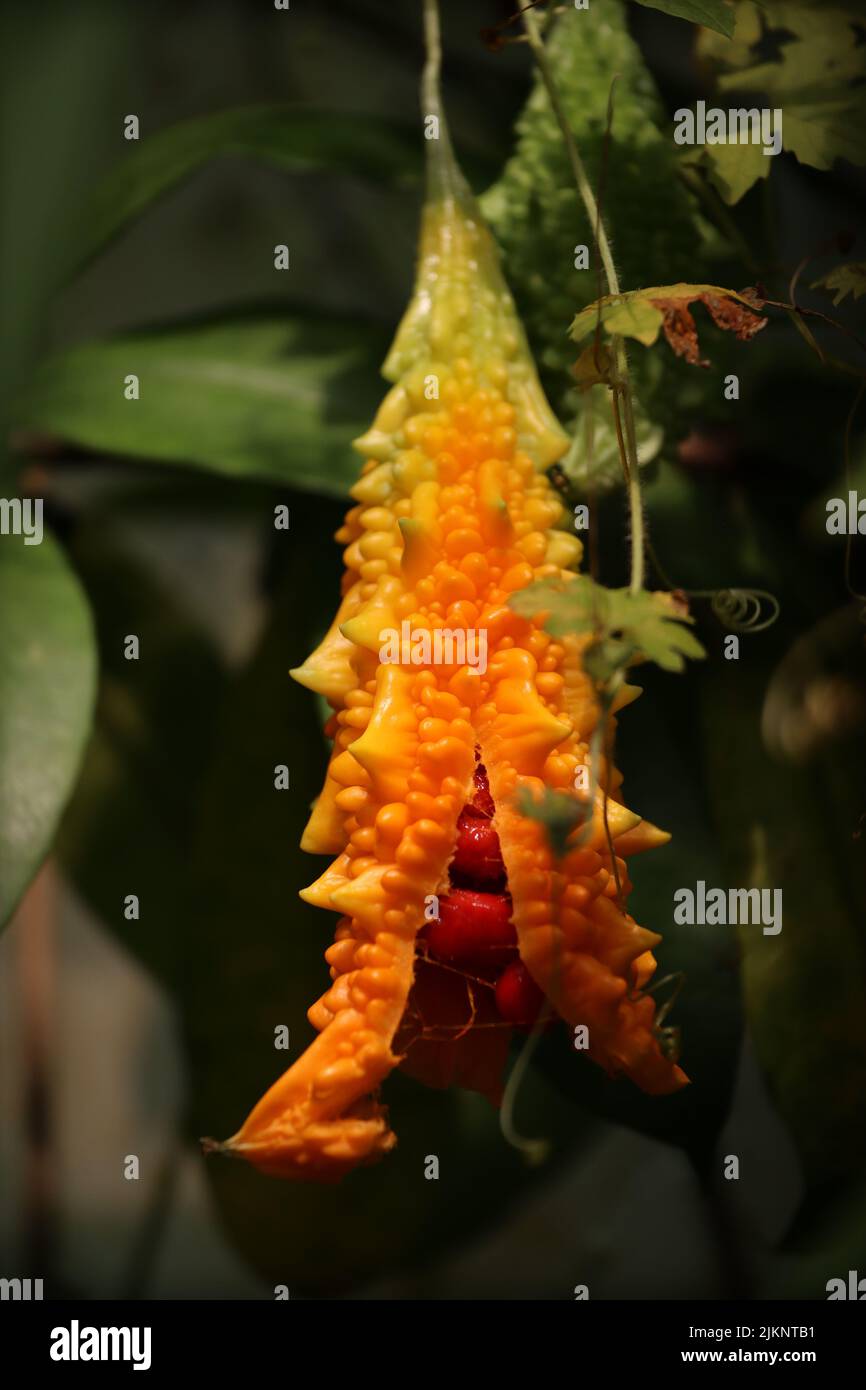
(472, 929)
(477, 857)
(518, 997)
(482, 801)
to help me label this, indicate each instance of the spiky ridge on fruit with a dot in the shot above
(453, 513)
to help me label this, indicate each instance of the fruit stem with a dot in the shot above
(444, 176)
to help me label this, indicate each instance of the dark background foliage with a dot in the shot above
(155, 777)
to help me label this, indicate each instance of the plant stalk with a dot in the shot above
(622, 383)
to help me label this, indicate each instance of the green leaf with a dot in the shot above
(644, 624)
(593, 460)
(603, 659)
(272, 398)
(57, 122)
(843, 280)
(821, 133)
(630, 318)
(816, 82)
(713, 14)
(47, 678)
(641, 314)
(556, 811)
(576, 605)
(659, 631)
(295, 140)
(734, 168)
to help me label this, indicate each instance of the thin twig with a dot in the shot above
(621, 382)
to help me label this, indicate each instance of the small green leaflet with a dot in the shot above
(713, 14)
(276, 397)
(844, 279)
(558, 812)
(732, 168)
(593, 460)
(627, 625)
(656, 628)
(641, 314)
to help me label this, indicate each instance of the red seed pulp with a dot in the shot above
(518, 998)
(474, 927)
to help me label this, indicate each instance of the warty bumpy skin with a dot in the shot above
(453, 513)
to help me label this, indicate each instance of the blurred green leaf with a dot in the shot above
(47, 678)
(55, 123)
(734, 168)
(293, 139)
(558, 812)
(815, 78)
(574, 605)
(788, 827)
(593, 459)
(647, 624)
(641, 314)
(272, 398)
(713, 14)
(849, 278)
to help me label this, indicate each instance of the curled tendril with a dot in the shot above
(668, 1037)
(741, 610)
(677, 979)
(670, 1042)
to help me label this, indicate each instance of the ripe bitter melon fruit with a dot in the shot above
(453, 512)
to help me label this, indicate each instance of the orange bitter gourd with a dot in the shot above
(454, 513)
